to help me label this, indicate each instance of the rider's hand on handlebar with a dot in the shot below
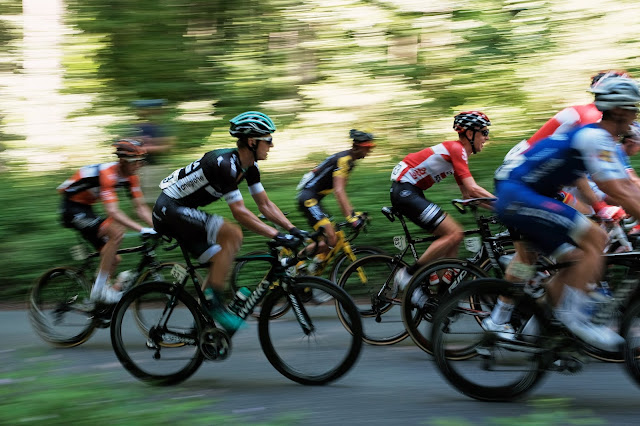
(299, 233)
(356, 219)
(145, 232)
(287, 240)
(611, 212)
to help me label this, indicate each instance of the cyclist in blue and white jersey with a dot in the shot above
(526, 187)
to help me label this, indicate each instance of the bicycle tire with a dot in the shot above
(487, 368)
(417, 320)
(305, 364)
(59, 307)
(369, 283)
(342, 262)
(146, 357)
(251, 278)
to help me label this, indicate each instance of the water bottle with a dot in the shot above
(434, 281)
(447, 277)
(239, 299)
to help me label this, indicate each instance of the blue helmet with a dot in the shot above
(251, 124)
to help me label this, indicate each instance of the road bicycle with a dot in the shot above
(60, 309)
(161, 334)
(334, 262)
(485, 367)
(387, 319)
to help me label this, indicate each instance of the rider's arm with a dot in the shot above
(114, 212)
(470, 189)
(339, 185)
(270, 210)
(143, 211)
(587, 194)
(250, 221)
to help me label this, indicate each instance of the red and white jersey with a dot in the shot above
(431, 165)
(566, 120)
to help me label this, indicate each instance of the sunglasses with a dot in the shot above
(268, 139)
(484, 132)
(133, 159)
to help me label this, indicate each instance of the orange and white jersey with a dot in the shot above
(98, 182)
(431, 165)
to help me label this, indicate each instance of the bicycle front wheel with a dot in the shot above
(343, 261)
(428, 287)
(59, 307)
(168, 352)
(309, 344)
(480, 364)
(369, 283)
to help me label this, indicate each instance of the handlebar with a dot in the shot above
(461, 204)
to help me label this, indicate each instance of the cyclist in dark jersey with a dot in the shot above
(98, 182)
(216, 175)
(331, 176)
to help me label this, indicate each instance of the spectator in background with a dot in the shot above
(149, 130)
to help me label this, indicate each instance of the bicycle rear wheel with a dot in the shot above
(343, 261)
(369, 283)
(168, 352)
(309, 344)
(478, 363)
(422, 297)
(630, 330)
(59, 307)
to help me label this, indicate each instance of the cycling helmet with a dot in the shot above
(129, 148)
(251, 124)
(618, 92)
(603, 75)
(470, 120)
(361, 138)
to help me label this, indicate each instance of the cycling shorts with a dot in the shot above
(82, 218)
(309, 206)
(196, 230)
(552, 226)
(410, 201)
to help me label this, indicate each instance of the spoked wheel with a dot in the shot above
(309, 344)
(161, 273)
(59, 307)
(478, 363)
(429, 286)
(168, 352)
(248, 274)
(369, 283)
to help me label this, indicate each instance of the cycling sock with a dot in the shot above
(101, 280)
(502, 312)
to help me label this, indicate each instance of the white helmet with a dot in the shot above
(617, 92)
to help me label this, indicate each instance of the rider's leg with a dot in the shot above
(450, 235)
(108, 261)
(229, 239)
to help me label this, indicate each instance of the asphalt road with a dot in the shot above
(389, 385)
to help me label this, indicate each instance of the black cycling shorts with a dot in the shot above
(82, 218)
(410, 201)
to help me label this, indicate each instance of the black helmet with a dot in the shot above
(361, 138)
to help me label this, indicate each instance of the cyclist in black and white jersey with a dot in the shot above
(214, 176)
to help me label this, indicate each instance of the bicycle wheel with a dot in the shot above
(343, 261)
(59, 307)
(248, 273)
(161, 272)
(630, 330)
(369, 283)
(478, 363)
(309, 344)
(169, 352)
(424, 293)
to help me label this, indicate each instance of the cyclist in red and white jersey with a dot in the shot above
(98, 182)
(418, 171)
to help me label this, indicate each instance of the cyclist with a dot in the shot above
(331, 176)
(418, 171)
(582, 197)
(216, 175)
(99, 182)
(526, 188)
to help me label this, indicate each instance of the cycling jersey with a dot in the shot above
(431, 165)
(98, 182)
(566, 120)
(319, 181)
(216, 175)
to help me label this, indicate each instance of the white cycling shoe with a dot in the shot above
(598, 336)
(504, 331)
(400, 280)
